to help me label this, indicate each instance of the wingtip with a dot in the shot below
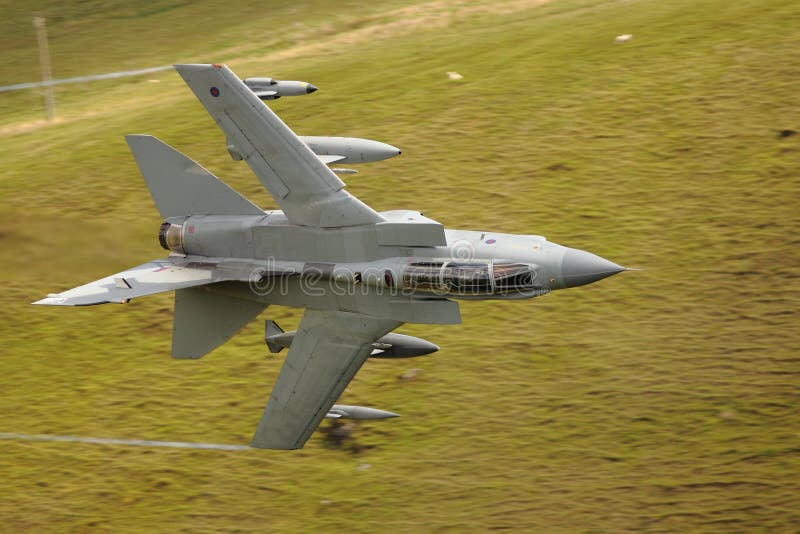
(49, 301)
(129, 137)
(197, 66)
(187, 69)
(256, 443)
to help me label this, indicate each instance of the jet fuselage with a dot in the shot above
(297, 265)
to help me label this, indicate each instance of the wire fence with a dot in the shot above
(114, 441)
(78, 79)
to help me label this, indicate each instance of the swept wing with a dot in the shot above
(307, 191)
(327, 351)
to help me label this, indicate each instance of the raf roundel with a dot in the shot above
(214, 92)
(490, 241)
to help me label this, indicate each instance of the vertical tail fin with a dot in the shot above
(205, 320)
(180, 186)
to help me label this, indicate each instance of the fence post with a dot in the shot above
(44, 60)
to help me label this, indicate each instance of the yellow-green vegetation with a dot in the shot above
(657, 400)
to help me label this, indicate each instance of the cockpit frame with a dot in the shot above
(469, 278)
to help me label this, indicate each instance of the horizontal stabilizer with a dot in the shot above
(146, 279)
(180, 186)
(158, 276)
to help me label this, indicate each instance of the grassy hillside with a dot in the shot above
(663, 400)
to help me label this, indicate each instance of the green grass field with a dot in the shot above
(661, 400)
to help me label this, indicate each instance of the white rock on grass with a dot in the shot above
(624, 38)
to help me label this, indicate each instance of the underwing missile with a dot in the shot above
(343, 411)
(271, 89)
(389, 346)
(401, 346)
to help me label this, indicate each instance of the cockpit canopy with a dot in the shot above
(469, 278)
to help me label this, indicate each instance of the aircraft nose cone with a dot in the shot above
(310, 88)
(579, 268)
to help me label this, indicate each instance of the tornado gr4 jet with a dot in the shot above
(358, 273)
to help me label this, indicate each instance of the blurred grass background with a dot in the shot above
(662, 400)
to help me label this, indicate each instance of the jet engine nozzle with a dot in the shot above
(170, 237)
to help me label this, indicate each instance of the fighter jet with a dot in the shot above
(358, 273)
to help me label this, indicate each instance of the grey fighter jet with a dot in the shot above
(358, 273)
